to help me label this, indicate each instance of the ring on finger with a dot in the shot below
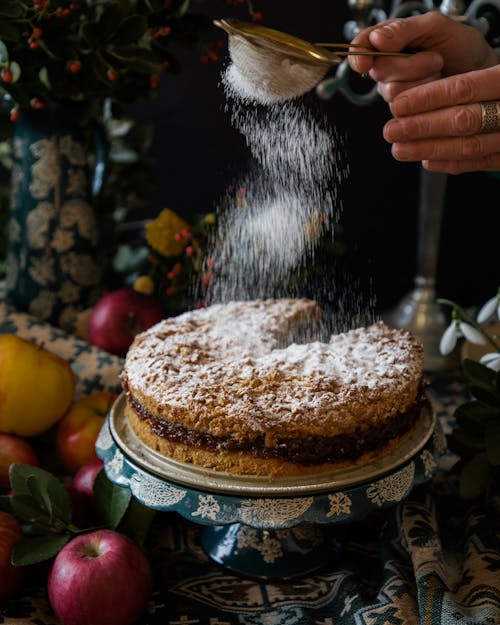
(490, 117)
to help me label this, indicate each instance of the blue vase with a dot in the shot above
(55, 262)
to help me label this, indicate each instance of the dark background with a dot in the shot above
(197, 154)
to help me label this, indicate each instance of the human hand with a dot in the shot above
(439, 121)
(452, 125)
(446, 47)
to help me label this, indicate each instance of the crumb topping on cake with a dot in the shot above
(230, 370)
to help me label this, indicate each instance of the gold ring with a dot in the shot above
(490, 117)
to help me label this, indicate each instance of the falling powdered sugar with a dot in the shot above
(284, 208)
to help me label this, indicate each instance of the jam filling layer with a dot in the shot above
(305, 451)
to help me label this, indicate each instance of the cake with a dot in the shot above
(230, 388)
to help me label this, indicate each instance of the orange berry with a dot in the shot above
(190, 250)
(15, 114)
(170, 290)
(37, 32)
(154, 82)
(111, 74)
(34, 44)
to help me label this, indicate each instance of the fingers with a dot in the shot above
(452, 140)
(456, 121)
(391, 90)
(474, 86)
(474, 147)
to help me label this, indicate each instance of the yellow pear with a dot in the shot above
(36, 386)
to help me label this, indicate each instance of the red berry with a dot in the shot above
(165, 30)
(37, 104)
(154, 82)
(111, 74)
(65, 12)
(170, 290)
(186, 233)
(37, 32)
(14, 114)
(33, 44)
(210, 262)
(74, 66)
(171, 275)
(190, 250)
(258, 16)
(178, 236)
(6, 75)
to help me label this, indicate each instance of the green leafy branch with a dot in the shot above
(476, 438)
(42, 505)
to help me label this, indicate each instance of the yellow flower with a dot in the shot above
(144, 284)
(163, 233)
(209, 218)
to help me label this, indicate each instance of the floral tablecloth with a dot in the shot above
(430, 560)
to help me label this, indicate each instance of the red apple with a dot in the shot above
(10, 575)
(78, 430)
(14, 450)
(82, 494)
(101, 578)
(118, 316)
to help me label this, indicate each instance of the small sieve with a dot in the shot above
(280, 66)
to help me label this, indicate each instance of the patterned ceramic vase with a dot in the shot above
(54, 260)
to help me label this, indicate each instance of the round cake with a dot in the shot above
(230, 388)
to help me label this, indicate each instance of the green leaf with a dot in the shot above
(111, 17)
(477, 411)
(15, 70)
(9, 32)
(492, 437)
(27, 509)
(90, 34)
(128, 259)
(37, 549)
(21, 480)
(6, 504)
(479, 374)
(139, 59)
(137, 521)
(4, 53)
(131, 29)
(468, 438)
(485, 395)
(182, 9)
(11, 8)
(112, 501)
(476, 476)
(43, 76)
(154, 5)
(40, 494)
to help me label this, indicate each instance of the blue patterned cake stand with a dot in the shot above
(268, 529)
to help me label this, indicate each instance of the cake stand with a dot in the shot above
(263, 528)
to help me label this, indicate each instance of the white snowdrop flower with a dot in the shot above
(491, 360)
(456, 330)
(471, 334)
(488, 309)
(449, 338)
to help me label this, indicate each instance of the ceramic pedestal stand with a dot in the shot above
(261, 528)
